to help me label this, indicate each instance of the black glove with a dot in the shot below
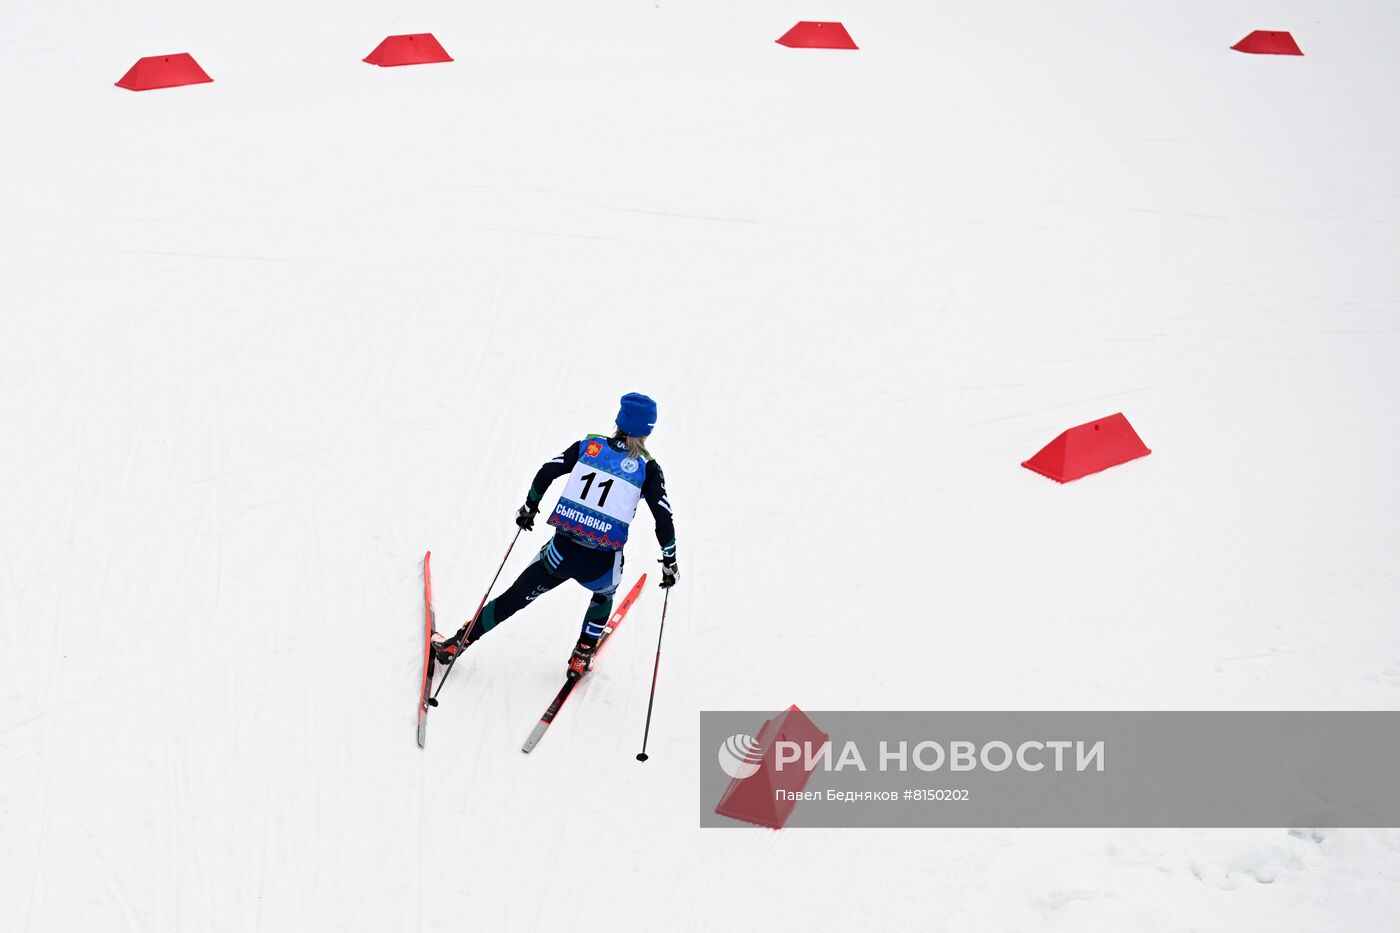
(525, 517)
(669, 572)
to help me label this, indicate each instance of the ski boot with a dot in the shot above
(446, 650)
(581, 661)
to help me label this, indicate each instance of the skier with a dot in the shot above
(608, 476)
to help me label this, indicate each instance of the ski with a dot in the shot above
(613, 622)
(471, 626)
(430, 629)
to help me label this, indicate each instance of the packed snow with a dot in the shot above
(265, 341)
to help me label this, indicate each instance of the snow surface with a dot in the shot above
(264, 341)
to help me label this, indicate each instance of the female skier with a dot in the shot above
(608, 476)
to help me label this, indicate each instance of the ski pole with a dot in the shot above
(642, 755)
(432, 701)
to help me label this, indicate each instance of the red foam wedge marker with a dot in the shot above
(1088, 448)
(1264, 42)
(808, 35)
(158, 71)
(421, 48)
(767, 794)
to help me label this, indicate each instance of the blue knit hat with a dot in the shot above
(637, 416)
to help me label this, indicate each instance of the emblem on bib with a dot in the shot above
(594, 448)
(629, 465)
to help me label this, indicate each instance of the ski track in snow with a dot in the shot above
(266, 340)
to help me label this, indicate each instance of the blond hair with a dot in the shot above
(636, 446)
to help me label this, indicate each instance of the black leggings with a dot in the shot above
(561, 559)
